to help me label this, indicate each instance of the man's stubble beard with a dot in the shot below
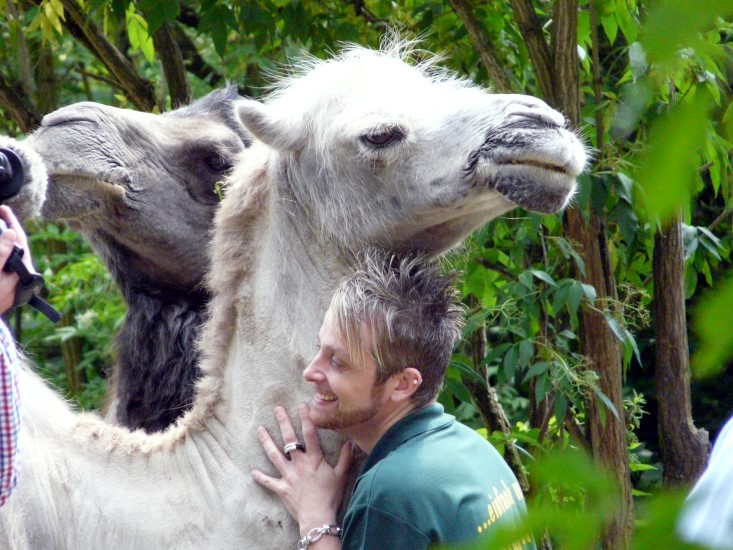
(343, 420)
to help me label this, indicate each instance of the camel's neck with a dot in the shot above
(157, 359)
(268, 308)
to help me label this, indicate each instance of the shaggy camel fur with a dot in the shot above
(358, 151)
(142, 189)
(27, 202)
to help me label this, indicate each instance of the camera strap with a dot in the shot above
(29, 286)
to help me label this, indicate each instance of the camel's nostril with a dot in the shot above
(540, 112)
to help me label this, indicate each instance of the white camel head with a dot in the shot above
(408, 155)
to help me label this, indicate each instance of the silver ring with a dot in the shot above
(293, 447)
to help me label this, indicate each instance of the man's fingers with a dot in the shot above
(286, 427)
(7, 241)
(310, 436)
(345, 458)
(272, 483)
(273, 452)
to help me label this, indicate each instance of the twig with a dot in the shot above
(484, 46)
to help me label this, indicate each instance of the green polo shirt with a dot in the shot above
(428, 480)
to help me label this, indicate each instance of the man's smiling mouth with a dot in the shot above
(324, 397)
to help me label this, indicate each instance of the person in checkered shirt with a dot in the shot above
(9, 366)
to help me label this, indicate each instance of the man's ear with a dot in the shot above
(406, 384)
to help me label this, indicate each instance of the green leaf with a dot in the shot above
(638, 467)
(158, 12)
(637, 60)
(673, 24)
(541, 387)
(536, 369)
(629, 26)
(616, 327)
(543, 276)
(575, 295)
(510, 361)
(560, 408)
(712, 319)
(526, 279)
(610, 27)
(589, 291)
(630, 342)
(667, 167)
(137, 31)
(606, 401)
(689, 240)
(560, 298)
(526, 350)
(458, 389)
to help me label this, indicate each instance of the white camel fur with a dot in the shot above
(362, 150)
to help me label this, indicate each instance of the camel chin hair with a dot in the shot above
(27, 202)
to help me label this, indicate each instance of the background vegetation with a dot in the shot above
(578, 334)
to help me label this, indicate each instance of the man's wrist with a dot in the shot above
(311, 521)
(317, 533)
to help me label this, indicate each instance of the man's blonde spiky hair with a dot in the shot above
(409, 311)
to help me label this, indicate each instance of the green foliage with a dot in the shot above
(80, 287)
(659, 118)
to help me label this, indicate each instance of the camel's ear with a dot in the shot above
(267, 125)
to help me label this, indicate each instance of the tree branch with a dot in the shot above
(18, 107)
(170, 57)
(139, 90)
(595, 56)
(484, 46)
(362, 11)
(497, 267)
(485, 398)
(195, 64)
(539, 52)
(576, 431)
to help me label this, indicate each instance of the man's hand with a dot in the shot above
(309, 487)
(13, 235)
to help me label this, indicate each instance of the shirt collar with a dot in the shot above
(420, 421)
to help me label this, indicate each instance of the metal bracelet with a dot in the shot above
(316, 533)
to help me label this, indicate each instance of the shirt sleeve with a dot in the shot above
(9, 414)
(370, 528)
(707, 517)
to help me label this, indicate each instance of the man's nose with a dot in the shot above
(312, 373)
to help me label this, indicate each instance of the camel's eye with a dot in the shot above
(218, 163)
(381, 137)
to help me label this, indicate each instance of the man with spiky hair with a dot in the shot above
(384, 346)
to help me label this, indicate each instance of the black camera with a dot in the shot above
(30, 285)
(11, 173)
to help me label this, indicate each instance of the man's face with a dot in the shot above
(346, 398)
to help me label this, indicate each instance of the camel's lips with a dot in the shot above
(543, 165)
(81, 180)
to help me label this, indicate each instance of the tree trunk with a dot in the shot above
(485, 398)
(170, 57)
(684, 448)
(607, 432)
